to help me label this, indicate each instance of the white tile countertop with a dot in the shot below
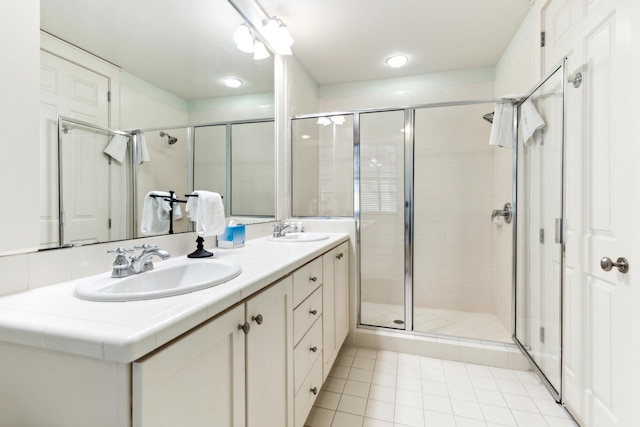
(53, 318)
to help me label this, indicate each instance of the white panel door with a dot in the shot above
(73, 91)
(598, 305)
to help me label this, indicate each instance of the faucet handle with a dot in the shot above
(119, 251)
(145, 246)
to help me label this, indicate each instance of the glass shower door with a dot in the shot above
(382, 219)
(540, 211)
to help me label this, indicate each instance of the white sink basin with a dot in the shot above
(299, 237)
(163, 281)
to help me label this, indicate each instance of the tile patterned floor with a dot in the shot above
(456, 323)
(374, 388)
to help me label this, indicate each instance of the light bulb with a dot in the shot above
(397, 61)
(284, 36)
(259, 51)
(271, 28)
(243, 39)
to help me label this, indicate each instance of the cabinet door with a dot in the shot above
(329, 344)
(342, 293)
(198, 380)
(335, 304)
(269, 356)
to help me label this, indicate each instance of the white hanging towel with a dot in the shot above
(117, 147)
(207, 211)
(143, 152)
(531, 123)
(155, 213)
(502, 127)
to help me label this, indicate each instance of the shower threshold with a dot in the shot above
(454, 323)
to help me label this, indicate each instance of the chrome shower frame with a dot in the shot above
(556, 393)
(409, 142)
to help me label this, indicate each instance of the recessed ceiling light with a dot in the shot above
(397, 61)
(231, 82)
(305, 137)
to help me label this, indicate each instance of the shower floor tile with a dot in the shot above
(442, 393)
(456, 323)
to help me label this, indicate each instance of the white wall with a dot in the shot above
(144, 106)
(19, 115)
(296, 94)
(230, 108)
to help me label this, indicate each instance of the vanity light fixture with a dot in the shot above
(397, 61)
(326, 121)
(244, 39)
(272, 33)
(259, 51)
(248, 43)
(278, 34)
(232, 82)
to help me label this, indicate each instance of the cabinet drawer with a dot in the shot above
(305, 314)
(307, 394)
(306, 279)
(306, 352)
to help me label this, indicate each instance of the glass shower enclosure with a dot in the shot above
(433, 260)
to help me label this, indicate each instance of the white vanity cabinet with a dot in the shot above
(258, 363)
(235, 370)
(335, 303)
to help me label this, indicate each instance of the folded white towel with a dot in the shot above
(117, 147)
(531, 123)
(155, 213)
(502, 127)
(143, 152)
(207, 211)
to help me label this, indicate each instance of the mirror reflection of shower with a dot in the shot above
(171, 139)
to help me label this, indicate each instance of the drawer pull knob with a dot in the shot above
(340, 255)
(313, 278)
(258, 319)
(314, 349)
(314, 390)
(245, 327)
(314, 312)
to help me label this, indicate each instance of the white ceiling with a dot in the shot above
(349, 40)
(186, 47)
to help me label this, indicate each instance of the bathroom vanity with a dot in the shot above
(253, 351)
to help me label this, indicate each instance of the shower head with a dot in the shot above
(171, 139)
(488, 117)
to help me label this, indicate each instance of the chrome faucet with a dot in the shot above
(278, 229)
(143, 262)
(123, 268)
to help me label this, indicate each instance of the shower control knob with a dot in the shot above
(621, 264)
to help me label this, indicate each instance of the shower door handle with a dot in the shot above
(621, 264)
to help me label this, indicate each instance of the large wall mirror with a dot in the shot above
(110, 67)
